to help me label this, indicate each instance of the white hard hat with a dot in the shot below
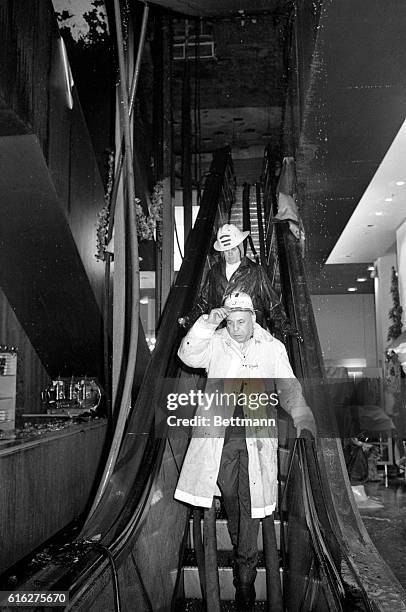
(228, 237)
(238, 301)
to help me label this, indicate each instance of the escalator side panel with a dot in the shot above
(331, 487)
(138, 516)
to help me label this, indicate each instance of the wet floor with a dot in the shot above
(387, 525)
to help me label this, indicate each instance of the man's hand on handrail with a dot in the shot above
(306, 428)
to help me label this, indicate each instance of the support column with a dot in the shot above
(163, 159)
(401, 255)
(383, 300)
(119, 300)
(187, 144)
(168, 201)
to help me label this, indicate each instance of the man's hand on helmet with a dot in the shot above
(217, 315)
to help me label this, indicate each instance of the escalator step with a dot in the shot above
(224, 558)
(221, 513)
(223, 536)
(196, 605)
(191, 581)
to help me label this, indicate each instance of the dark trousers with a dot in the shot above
(234, 486)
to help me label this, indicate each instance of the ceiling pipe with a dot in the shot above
(133, 91)
(114, 193)
(139, 57)
(134, 280)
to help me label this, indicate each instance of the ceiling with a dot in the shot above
(371, 229)
(355, 107)
(220, 8)
(356, 104)
(242, 91)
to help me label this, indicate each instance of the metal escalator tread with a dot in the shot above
(224, 558)
(221, 513)
(196, 605)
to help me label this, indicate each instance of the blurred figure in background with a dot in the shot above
(236, 272)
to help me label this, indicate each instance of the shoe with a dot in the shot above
(363, 500)
(369, 504)
(245, 597)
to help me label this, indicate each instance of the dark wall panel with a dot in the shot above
(41, 270)
(31, 374)
(45, 485)
(26, 33)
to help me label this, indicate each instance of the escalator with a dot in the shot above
(134, 514)
(317, 547)
(336, 566)
(136, 539)
(299, 551)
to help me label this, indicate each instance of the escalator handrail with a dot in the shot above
(320, 548)
(261, 233)
(196, 248)
(320, 484)
(246, 219)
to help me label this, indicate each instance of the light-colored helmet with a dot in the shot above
(239, 301)
(228, 237)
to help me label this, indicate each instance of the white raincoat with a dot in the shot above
(220, 355)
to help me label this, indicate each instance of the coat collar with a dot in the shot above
(244, 263)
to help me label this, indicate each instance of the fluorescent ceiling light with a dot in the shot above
(385, 186)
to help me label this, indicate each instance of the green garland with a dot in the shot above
(103, 216)
(395, 313)
(147, 226)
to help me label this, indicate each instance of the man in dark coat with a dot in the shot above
(235, 272)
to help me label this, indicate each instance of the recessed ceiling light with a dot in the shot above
(400, 183)
(371, 268)
(361, 279)
(388, 199)
(379, 213)
(352, 289)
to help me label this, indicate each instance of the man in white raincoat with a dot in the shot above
(242, 460)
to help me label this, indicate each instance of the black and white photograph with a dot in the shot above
(203, 305)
